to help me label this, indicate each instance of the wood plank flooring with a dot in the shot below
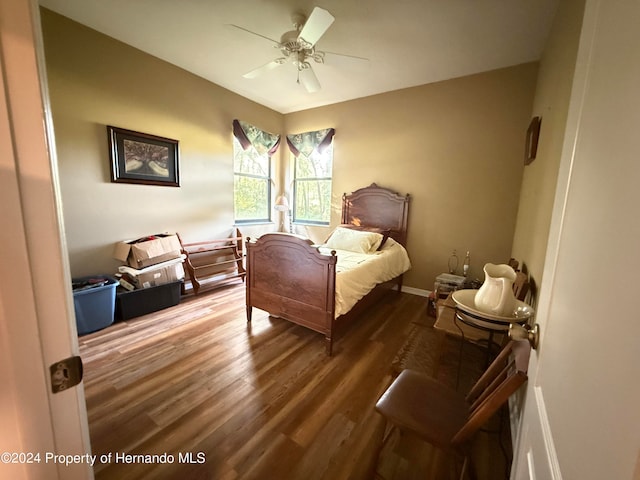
(227, 400)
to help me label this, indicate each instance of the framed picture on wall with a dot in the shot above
(531, 143)
(142, 158)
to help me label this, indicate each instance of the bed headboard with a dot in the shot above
(378, 207)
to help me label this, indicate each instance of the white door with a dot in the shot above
(39, 429)
(582, 414)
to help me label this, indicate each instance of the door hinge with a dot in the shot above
(65, 374)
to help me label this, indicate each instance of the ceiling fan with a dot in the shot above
(297, 46)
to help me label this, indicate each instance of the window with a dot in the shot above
(252, 150)
(313, 165)
(251, 186)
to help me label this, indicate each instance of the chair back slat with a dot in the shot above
(503, 377)
(521, 286)
(489, 406)
(496, 367)
(497, 381)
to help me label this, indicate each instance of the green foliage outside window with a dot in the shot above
(312, 185)
(252, 184)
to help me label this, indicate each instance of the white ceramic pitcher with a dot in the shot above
(495, 296)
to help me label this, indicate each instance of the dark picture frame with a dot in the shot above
(142, 158)
(531, 143)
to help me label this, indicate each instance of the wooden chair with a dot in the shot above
(445, 418)
(521, 286)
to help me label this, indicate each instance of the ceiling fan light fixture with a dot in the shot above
(317, 57)
(303, 66)
(304, 45)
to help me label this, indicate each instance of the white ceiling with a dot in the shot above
(408, 42)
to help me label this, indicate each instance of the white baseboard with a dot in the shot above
(416, 291)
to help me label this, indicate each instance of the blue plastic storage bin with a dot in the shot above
(94, 305)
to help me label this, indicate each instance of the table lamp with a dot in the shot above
(282, 205)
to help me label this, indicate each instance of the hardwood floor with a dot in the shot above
(226, 400)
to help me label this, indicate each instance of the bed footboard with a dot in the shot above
(289, 278)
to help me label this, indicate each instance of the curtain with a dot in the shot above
(249, 135)
(308, 142)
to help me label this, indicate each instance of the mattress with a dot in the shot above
(358, 273)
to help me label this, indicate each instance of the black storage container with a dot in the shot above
(134, 303)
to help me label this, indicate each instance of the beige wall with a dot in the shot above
(457, 147)
(96, 81)
(551, 102)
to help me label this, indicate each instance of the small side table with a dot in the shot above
(491, 323)
(492, 327)
(446, 322)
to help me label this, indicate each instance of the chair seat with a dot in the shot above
(418, 403)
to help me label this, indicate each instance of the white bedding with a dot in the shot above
(358, 273)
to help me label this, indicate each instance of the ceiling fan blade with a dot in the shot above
(341, 59)
(252, 33)
(318, 22)
(309, 80)
(265, 68)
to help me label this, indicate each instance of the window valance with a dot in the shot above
(249, 135)
(308, 142)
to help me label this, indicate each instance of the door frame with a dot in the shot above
(37, 322)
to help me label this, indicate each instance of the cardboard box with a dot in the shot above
(155, 275)
(149, 250)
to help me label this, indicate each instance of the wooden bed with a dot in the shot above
(289, 278)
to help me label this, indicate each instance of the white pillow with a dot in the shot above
(354, 240)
